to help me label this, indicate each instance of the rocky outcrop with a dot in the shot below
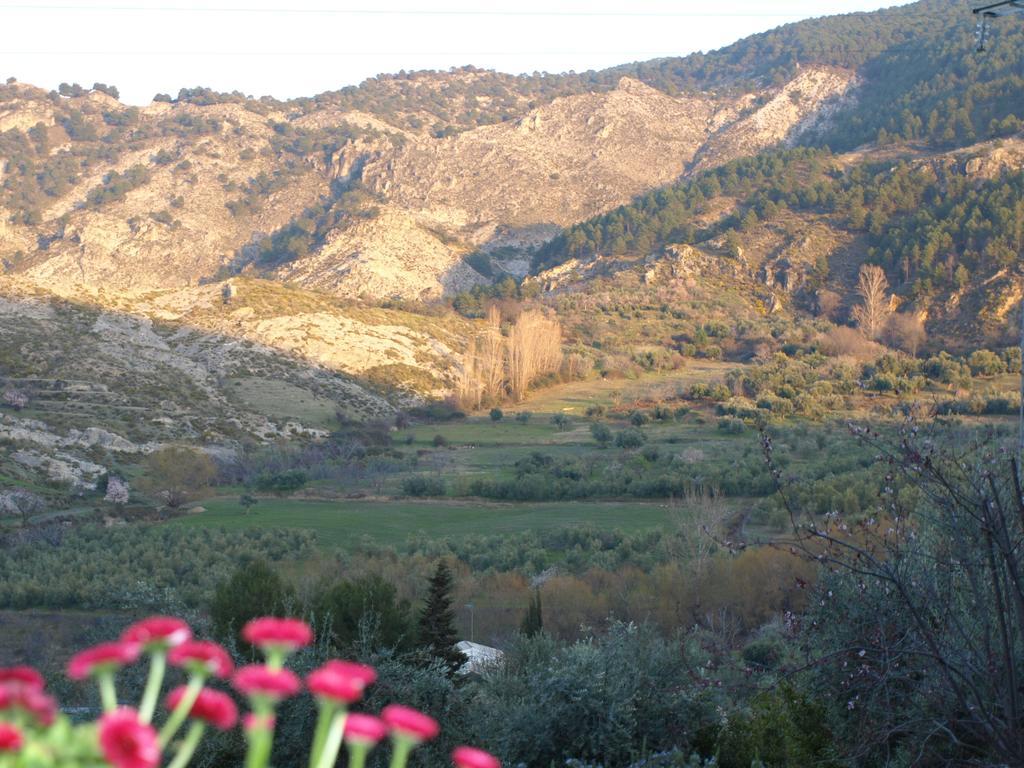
(806, 102)
(385, 256)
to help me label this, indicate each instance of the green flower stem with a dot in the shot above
(332, 745)
(323, 725)
(401, 749)
(260, 742)
(157, 670)
(357, 752)
(275, 656)
(108, 694)
(188, 745)
(195, 685)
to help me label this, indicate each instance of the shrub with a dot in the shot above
(630, 438)
(254, 589)
(638, 418)
(730, 425)
(497, 414)
(523, 417)
(602, 434)
(423, 486)
(561, 421)
(282, 482)
(986, 363)
(440, 441)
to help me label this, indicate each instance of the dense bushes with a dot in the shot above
(420, 485)
(117, 185)
(602, 701)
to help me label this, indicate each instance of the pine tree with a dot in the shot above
(533, 622)
(437, 620)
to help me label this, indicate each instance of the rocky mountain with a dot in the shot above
(191, 191)
(314, 242)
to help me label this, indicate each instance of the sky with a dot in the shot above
(290, 48)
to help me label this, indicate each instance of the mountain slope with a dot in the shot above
(948, 228)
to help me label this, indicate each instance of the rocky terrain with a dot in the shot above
(220, 178)
(214, 268)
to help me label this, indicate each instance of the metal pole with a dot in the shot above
(1020, 438)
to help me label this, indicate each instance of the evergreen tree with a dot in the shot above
(533, 622)
(437, 620)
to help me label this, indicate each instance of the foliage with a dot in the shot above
(596, 700)
(139, 566)
(254, 589)
(178, 474)
(533, 621)
(918, 619)
(366, 604)
(282, 482)
(437, 620)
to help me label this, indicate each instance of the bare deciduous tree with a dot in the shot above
(921, 621)
(534, 349)
(491, 350)
(828, 302)
(906, 331)
(873, 312)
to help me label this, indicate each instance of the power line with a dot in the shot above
(64, 52)
(401, 11)
(805, 51)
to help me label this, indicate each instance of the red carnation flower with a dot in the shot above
(254, 722)
(202, 657)
(157, 632)
(258, 680)
(22, 676)
(342, 681)
(408, 723)
(363, 729)
(211, 707)
(269, 632)
(102, 657)
(471, 757)
(127, 742)
(10, 738)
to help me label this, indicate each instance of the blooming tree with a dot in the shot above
(34, 734)
(118, 491)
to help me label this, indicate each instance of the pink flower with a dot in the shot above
(471, 757)
(202, 657)
(365, 730)
(100, 658)
(269, 632)
(260, 681)
(10, 738)
(127, 742)
(36, 703)
(211, 707)
(22, 676)
(341, 681)
(157, 633)
(408, 723)
(254, 722)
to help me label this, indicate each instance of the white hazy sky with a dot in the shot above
(288, 48)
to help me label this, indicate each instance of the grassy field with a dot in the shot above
(283, 400)
(345, 523)
(573, 398)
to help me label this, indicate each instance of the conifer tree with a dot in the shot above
(437, 620)
(533, 622)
